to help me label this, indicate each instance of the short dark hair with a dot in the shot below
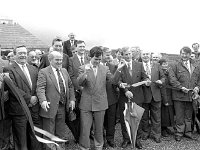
(14, 50)
(96, 51)
(57, 39)
(79, 42)
(161, 61)
(186, 49)
(195, 44)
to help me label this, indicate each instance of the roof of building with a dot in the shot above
(12, 35)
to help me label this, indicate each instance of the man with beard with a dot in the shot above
(24, 76)
(75, 62)
(57, 45)
(132, 72)
(152, 102)
(56, 94)
(185, 76)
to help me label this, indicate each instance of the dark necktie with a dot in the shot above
(82, 63)
(62, 88)
(148, 71)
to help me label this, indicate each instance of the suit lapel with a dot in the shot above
(53, 78)
(31, 72)
(65, 78)
(99, 72)
(76, 61)
(21, 74)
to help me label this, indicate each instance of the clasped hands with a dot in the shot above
(186, 90)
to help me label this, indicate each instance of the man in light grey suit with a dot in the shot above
(56, 94)
(93, 78)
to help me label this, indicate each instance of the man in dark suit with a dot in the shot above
(24, 76)
(57, 46)
(69, 44)
(152, 95)
(75, 62)
(132, 72)
(56, 94)
(185, 76)
(93, 77)
(110, 117)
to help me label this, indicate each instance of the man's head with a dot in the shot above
(55, 59)
(146, 56)
(106, 54)
(20, 53)
(57, 45)
(80, 47)
(96, 55)
(11, 57)
(156, 57)
(118, 54)
(32, 57)
(185, 53)
(163, 62)
(192, 56)
(38, 53)
(71, 36)
(127, 54)
(195, 47)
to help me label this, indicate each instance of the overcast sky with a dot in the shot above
(156, 25)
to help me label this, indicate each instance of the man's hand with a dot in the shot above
(33, 100)
(121, 64)
(72, 104)
(184, 89)
(148, 82)
(158, 82)
(123, 85)
(45, 105)
(129, 94)
(196, 90)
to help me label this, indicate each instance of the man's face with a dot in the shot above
(127, 55)
(145, 57)
(21, 55)
(155, 58)
(32, 58)
(164, 65)
(57, 46)
(107, 56)
(192, 56)
(96, 60)
(195, 47)
(185, 56)
(118, 55)
(71, 37)
(56, 62)
(80, 48)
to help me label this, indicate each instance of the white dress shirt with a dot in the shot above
(79, 57)
(56, 75)
(27, 73)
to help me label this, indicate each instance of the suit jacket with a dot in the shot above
(111, 89)
(47, 90)
(74, 65)
(44, 61)
(154, 90)
(138, 75)
(94, 96)
(19, 79)
(181, 77)
(67, 47)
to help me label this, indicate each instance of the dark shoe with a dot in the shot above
(164, 133)
(145, 137)
(138, 144)
(157, 140)
(178, 138)
(111, 143)
(191, 137)
(125, 143)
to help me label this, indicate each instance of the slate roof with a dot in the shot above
(12, 35)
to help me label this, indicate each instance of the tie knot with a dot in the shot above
(57, 70)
